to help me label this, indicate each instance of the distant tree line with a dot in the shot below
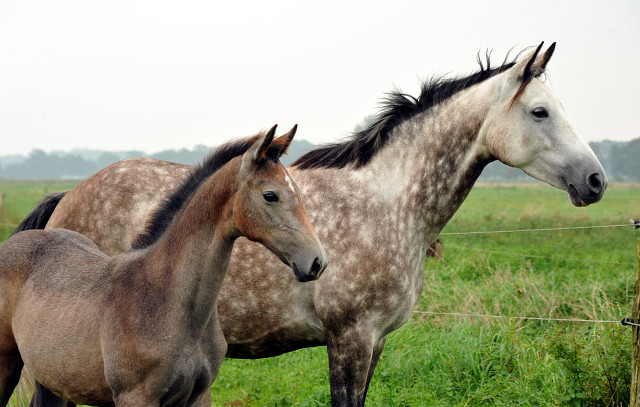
(621, 161)
(80, 164)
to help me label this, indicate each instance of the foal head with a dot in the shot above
(267, 208)
(527, 129)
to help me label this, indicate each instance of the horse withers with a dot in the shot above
(141, 328)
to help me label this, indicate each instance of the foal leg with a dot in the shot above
(10, 368)
(350, 362)
(42, 397)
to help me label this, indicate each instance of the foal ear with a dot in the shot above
(282, 143)
(259, 150)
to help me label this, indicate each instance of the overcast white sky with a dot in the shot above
(153, 75)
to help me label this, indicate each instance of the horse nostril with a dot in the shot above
(315, 268)
(595, 182)
(318, 267)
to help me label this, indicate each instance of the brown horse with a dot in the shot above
(378, 200)
(141, 328)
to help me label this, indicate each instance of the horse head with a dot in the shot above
(268, 208)
(527, 129)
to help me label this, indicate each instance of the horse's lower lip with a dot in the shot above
(298, 274)
(575, 197)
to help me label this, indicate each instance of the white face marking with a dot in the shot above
(291, 184)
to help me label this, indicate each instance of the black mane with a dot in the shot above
(396, 108)
(174, 203)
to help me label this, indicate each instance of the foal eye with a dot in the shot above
(540, 113)
(270, 197)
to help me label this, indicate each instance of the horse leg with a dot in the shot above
(205, 399)
(134, 398)
(350, 362)
(375, 357)
(10, 368)
(42, 397)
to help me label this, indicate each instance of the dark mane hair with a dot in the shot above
(396, 108)
(164, 214)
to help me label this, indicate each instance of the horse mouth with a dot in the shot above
(299, 276)
(575, 197)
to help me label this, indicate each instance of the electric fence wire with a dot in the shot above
(486, 232)
(624, 321)
(537, 256)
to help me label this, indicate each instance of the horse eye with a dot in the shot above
(270, 197)
(540, 113)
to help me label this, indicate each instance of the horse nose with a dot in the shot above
(596, 184)
(310, 272)
(317, 268)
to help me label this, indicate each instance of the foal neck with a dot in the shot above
(193, 253)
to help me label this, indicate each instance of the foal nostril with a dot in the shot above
(318, 267)
(315, 268)
(595, 183)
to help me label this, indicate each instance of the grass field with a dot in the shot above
(447, 360)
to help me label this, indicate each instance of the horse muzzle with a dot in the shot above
(588, 192)
(309, 272)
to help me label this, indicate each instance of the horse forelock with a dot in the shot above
(177, 200)
(397, 107)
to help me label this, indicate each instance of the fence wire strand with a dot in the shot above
(625, 321)
(487, 232)
(537, 256)
(462, 314)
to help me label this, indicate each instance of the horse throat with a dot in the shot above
(193, 254)
(443, 160)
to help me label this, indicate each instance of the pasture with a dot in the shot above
(450, 360)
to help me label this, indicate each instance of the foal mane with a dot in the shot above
(396, 108)
(177, 200)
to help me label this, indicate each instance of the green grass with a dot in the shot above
(446, 360)
(19, 197)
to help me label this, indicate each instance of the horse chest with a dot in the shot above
(175, 370)
(186, 380)
(374, 246)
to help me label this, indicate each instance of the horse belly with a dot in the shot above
(58, 339)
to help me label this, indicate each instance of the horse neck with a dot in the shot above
(194, 252)
(435, 158)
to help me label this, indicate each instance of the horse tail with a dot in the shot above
(40, 215)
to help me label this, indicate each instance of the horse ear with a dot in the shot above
(261, 147)
(546, 56)
(524, 68)
(282, 143)
(533, 64)
(257, 152)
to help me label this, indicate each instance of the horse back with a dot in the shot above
(112, 206)
(45, 255)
